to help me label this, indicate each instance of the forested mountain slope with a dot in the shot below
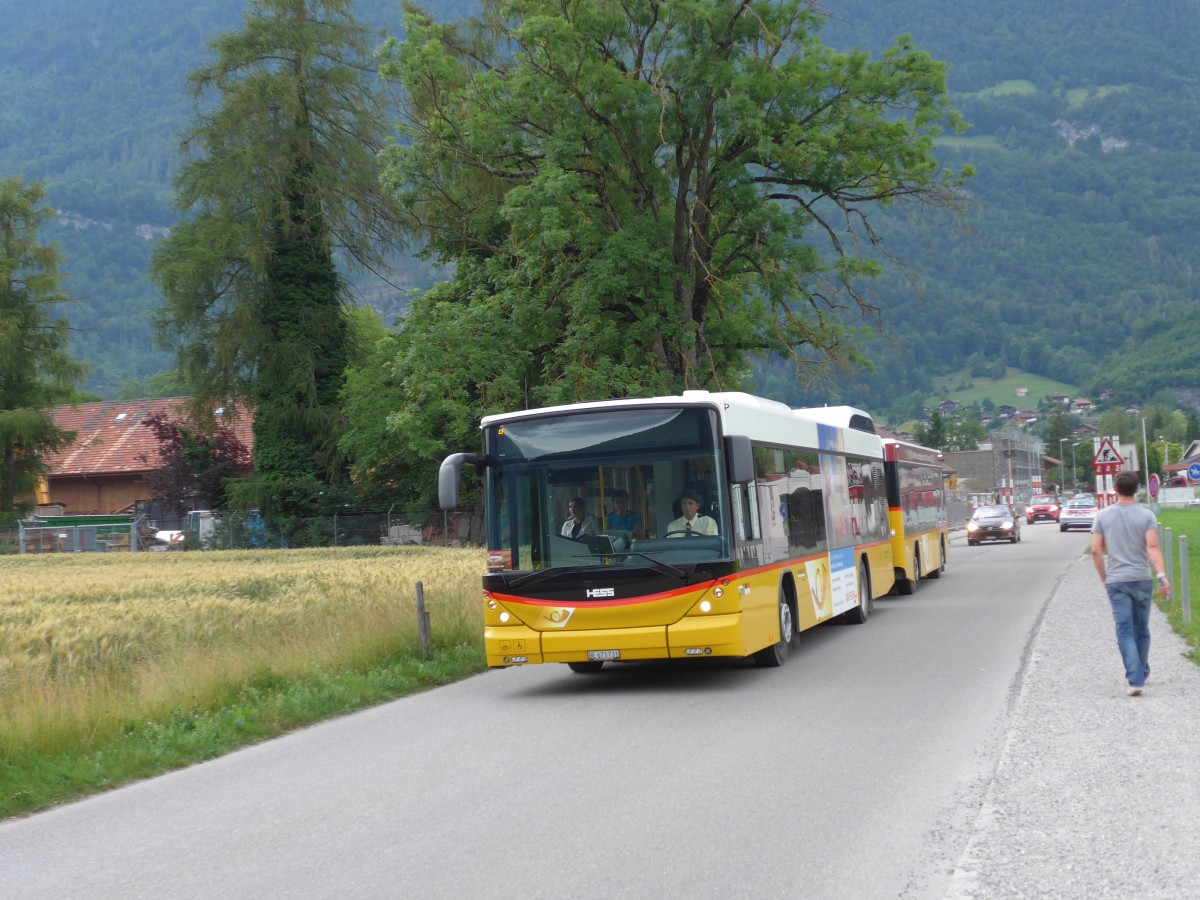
(1073, 259)
(1078, 250)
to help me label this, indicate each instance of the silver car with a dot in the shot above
(1080, 512)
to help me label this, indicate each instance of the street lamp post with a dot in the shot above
(1146, 453)
(1061, 441)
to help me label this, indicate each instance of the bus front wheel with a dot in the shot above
(909, 585)
(777, 653)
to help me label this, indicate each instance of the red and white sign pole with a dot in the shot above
(1107, 463)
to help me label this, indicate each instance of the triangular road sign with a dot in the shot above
(1107, 454)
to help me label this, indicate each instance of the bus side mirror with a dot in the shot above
(739, 459)
(448, 476)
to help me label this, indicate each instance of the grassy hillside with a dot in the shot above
(964, 388)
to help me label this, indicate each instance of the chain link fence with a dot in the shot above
(958, 509)
(214, 530)
(217, 530)
(203, 529)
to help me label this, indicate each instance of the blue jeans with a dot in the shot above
(1131, 612)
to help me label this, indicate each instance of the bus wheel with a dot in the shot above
(858, 615)
(937, 573)
(770, 657)
(915, 581)
(909, 585)
(585, 667)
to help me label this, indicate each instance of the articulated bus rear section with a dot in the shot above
(704, 525)
(917, 512)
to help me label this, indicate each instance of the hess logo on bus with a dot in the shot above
(596, 593)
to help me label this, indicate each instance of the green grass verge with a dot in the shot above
(1184, 522)
(263, 708)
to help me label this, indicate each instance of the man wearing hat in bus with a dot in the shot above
(691, 522)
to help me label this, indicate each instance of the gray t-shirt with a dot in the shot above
(1124, 527)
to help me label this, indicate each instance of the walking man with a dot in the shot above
(1130, 533)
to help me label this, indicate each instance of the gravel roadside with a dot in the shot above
(1096, 794)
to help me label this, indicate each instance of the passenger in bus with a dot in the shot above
(690, 522)
(580, 523)
(622, 518)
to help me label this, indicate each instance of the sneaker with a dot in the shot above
(1135, 691)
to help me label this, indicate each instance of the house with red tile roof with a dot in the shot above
(104, 469)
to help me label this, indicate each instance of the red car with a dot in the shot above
(1042, 506)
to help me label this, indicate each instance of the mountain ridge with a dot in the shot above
(1074, 260)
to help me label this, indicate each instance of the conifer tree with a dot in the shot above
(36, 372)
(280, 182)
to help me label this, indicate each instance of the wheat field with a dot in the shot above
(92, 642)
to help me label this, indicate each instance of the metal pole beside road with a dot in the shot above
(424, 632)
(1185, 601)
(1164, 541)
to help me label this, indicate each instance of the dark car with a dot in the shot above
(1042, 507)
(998, 522)
(1080, 512)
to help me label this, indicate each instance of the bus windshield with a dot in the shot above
(615, 487)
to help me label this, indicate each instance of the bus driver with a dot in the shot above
(690, 522)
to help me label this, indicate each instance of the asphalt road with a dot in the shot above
(858, 770)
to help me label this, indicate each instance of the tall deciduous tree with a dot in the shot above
(640, 197)
(36, 372)
(281, 174)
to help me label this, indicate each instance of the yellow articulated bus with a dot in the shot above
(703, 525)
(916, 494)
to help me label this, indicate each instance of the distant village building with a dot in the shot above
(105, 469)
(1009, 466)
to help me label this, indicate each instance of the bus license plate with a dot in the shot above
(604, 654)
